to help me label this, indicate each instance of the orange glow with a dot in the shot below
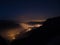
(10, 34)
(37, 20)
(37, 25)
(28, 27)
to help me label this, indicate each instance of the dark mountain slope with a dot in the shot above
(48, 34)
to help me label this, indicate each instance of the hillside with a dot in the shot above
(48, 34)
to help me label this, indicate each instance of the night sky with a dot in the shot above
(28, 9)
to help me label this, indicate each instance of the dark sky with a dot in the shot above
(29, 9)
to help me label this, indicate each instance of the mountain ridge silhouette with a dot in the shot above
(42, 35)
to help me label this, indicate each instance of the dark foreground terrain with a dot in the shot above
(48, 34)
